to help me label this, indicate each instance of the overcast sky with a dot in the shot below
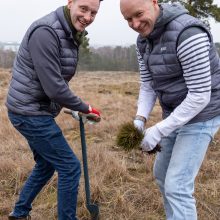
(109, 27)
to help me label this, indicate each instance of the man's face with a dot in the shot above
(83, 12)
(141, 15)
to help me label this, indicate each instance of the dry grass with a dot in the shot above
(121, 182)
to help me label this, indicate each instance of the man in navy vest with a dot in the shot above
(178, 65)
(45, 63)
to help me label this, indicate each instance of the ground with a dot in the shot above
(121, 183)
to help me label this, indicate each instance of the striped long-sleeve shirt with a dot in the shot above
(193, 54)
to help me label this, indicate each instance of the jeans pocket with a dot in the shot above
(16, 122)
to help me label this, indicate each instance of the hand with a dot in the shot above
(139, 124)
(92, 116)
(152, 137)
(75, 114)
(93, 111)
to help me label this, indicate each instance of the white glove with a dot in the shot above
(139, 124)
(152, 137)
(75, 114)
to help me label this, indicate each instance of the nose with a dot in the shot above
(88, 17)
(135, 23)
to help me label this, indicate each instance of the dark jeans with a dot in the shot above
(51, 153)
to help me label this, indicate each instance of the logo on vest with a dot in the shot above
(163, 48)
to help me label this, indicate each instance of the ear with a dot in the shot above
(69, 3)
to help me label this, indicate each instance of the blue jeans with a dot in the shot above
(51, 153)
(178, 164)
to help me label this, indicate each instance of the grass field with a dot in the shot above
(122, 183)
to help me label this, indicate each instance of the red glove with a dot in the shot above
(93, 111)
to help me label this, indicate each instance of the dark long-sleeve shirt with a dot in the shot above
(44, 50)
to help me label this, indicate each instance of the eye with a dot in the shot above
(83, 9)
(128, 19)
(139, 14)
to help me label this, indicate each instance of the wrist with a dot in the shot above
(140, 118)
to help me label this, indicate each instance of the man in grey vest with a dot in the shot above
(180, 66)
(45, 63)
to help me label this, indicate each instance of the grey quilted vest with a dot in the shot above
(25, 95)
(160, 56)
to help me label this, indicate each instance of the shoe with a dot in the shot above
(11, 217)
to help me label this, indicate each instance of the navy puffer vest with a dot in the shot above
(159, 51)
(26, 95)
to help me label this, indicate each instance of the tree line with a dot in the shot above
(92, 59)
(6, 58)
(105, 58)
(109, 59)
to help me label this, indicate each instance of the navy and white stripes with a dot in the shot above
(144, 73)
(147, 96)
(193, 55)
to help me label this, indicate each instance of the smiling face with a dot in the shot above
(141, 15)
(83, 12)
